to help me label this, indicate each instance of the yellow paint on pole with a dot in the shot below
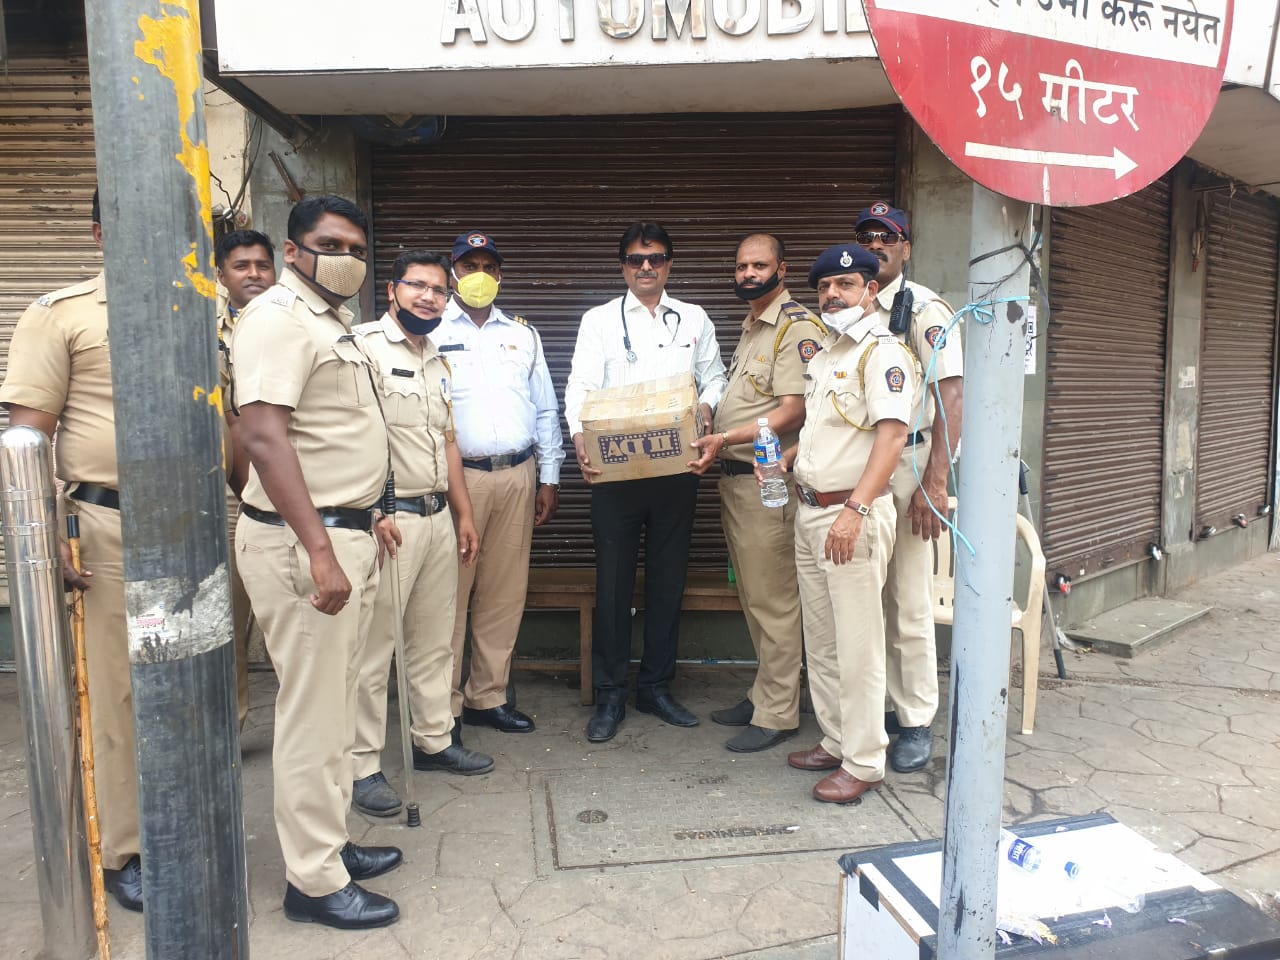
(171, 44)
(212, 397)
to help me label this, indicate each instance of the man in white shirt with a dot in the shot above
(507, 420)
(643, 335)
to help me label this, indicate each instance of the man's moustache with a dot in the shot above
(837, 304)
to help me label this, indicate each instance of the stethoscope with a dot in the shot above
(626, 334)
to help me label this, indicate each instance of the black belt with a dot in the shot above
(918, 437)
(97, 495)
(736, 468)
(346, 518)
(501, 462)
(432, 503)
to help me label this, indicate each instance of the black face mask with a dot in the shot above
(753, 291)
(412, 322)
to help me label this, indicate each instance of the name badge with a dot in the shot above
(346, 338)
(398, 372)
(450, 347)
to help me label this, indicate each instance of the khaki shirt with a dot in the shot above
(770, 362)
(59, 363)
(927, 336)
(290, 348)
(858, 379)
(416, 397)
(226, 323)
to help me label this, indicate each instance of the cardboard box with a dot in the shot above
(889, 902)
(642, 430)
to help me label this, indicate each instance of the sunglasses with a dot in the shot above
(636, 260)
(868, 237)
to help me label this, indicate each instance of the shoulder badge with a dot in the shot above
(936, 337)
(895, 378)
(808, 349)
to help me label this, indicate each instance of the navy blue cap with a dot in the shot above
(843, 258)
(880, 212)
(472, 241)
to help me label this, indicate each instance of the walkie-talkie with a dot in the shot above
(900, 314)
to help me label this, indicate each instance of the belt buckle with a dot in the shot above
(437, 502)
(808, 495)
(501, 462)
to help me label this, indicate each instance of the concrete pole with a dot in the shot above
(988, 499)
(46, 693)
(153, 174)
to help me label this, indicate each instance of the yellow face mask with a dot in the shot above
(477, 289)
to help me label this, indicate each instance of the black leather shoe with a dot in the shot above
(891, 725)
(126, 884)
(455, 735)
(911, 750)
(754, 739)
(374, 796)
(611, 707)
(666, 708)
(738, 715)
(505, 718)
(366, 862)
(351, 908)
(453, 759)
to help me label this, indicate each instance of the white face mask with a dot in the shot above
(842, 320)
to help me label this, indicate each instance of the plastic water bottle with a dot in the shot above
(1032, 859)
(773, 489)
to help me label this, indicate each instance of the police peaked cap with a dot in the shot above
(843, 258)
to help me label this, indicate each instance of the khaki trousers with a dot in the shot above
(844, 635)
(762, 550)
(241, 613)
(428, 567)
(110, 685)
(911, 652)
(316, 658)
(502, 501)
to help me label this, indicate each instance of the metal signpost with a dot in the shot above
(1057, 102)
(153, 173)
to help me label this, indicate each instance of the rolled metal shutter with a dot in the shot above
(47, 177)
(1237, 360)
(1103, 473)
(557, 193)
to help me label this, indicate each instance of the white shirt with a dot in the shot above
(503, 400)
(680, 338)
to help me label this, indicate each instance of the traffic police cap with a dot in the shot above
(472, 241)
(843, 258)
(880, 212)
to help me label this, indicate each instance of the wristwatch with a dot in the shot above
(859, 508)
(553, 486)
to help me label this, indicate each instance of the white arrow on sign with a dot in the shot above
(1118, 162)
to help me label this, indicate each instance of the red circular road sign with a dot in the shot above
(1060, 102)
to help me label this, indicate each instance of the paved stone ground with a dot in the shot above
(1182, 744)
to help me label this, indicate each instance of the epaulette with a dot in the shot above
(794, 312)
(516, 318)
(281, 296)
(366, 328)
(66, 293)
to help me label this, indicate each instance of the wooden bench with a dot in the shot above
(574, 588)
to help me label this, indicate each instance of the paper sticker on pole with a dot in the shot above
(1060, 102)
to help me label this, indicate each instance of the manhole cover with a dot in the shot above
(689, 812)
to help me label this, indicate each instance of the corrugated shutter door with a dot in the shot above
(1104, 404)
(1237, 386)
(47, 176)
(556, 194)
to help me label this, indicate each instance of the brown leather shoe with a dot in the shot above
(842, 787)
(815, 759)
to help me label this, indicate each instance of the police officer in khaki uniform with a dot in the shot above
(59, 379)
(920, 318)
(766, 379)
(245, 261)
(317, 443)
(415, 384)
(859, 398)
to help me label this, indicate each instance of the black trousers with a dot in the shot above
(663, 508)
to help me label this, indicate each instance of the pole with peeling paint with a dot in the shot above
(988, 503)
(153, 175)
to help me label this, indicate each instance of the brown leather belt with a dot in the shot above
(827, 498)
